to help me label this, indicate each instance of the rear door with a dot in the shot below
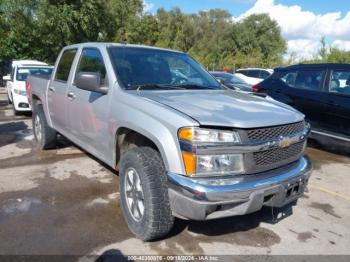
(57, 91)
(302, 89)
(88, 111)
(338, 101)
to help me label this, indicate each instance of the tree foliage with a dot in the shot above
(329, 54)
(38, 29)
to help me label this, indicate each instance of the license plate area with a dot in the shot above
(295, 189)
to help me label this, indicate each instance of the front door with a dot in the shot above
(338, 102)
(88, 111)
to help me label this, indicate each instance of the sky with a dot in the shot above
(302, 22)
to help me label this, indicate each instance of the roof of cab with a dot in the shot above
(106, 45)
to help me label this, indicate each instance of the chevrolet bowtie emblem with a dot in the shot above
(287, 141)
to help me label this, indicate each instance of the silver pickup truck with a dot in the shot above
(184, 145)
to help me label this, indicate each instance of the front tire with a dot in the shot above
(144, 193)
(44, 135)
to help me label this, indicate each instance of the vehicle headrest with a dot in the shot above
(334, 84)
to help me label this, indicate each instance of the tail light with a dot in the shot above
(256, 88)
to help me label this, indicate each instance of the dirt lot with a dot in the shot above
(63, 201)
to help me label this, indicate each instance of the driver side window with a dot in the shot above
(91, 61)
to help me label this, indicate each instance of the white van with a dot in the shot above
(15, 82)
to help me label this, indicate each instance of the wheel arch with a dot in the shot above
(127, 137)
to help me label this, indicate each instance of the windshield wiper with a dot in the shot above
(195, 86)
(153, 87)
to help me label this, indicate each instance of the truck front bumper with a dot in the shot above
(209, 198)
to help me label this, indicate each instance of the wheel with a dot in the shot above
(144, 193)
(44, 135)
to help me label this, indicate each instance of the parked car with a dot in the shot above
(183, 149)
(232, 81)
(320, 91)
(247, 79)
(15, 82)
(261, 73)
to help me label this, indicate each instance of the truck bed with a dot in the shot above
(38, 85)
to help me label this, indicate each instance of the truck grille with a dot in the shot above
(269, 133)
(277, 155)
(261, 161)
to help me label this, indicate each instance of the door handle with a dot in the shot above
(71, 96)
(52, 89)
(278, 91)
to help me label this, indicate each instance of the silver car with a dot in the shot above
(184, 145)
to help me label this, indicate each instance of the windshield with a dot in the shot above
(23, 73)
(156, 69)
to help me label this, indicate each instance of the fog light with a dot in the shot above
(23, 105)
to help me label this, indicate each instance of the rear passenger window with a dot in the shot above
(264, 74)
(289, 78)
(91, 61)
(309, 79)
(65, 64)
(254, 73)
(340, 81)
(243, 72)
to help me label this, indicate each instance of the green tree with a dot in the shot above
(17, 28)
(329, 54)
(38, 29)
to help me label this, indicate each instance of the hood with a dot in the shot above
(243, 87)
(226, 108)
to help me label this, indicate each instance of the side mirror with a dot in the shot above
(90, 81)
(6, 78)
(221, 80)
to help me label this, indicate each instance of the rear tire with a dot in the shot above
(144, 193)
(45, 136)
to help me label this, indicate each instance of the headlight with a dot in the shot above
(20, 92)
(219, 164)
(204, 135)
(206, 163)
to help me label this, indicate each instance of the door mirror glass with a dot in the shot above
(6, 78)
(90, 81)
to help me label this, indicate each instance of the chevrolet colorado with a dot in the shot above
(184, 145)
